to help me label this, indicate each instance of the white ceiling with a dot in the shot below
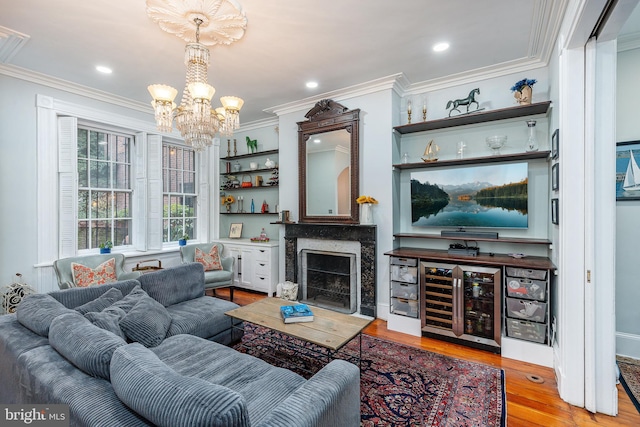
(338, 43)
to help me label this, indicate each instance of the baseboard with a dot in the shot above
(404, 324)
(628, 345)
(383, 311)
(538, 354)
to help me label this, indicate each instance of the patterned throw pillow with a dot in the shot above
(84, 276)
(211, 261)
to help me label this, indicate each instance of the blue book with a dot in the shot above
(296, 313)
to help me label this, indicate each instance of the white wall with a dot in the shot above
(627, 214)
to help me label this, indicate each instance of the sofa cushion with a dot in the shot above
(85, 345)
(147, 322)
(36, 312)
(174, 285)
(102, 302)
(84, 276)
(154, 390)
(130, 300)
(203, 317)
(210, 261)
(108, 319)
(75, 297)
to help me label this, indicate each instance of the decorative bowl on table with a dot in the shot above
(496, 142)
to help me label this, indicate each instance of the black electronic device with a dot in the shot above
(470, 234)
(463, 250)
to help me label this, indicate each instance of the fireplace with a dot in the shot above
(329, 280)
(358, 241)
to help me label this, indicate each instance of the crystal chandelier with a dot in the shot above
(195, 119)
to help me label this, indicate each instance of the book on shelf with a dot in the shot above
(296, 313)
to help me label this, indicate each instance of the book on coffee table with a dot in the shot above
(296, 313)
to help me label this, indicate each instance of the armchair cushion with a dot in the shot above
(84, 276)
(210, 261)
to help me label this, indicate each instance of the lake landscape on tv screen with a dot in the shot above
(489, 196)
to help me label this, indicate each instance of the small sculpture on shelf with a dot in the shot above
(273, 180)
(252, 145)
(430, 152)
(471, 99)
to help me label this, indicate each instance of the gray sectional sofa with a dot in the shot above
(152, 351)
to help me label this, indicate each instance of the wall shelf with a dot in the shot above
(246, 156)
(475, 118)
(519, 240)
(248, 171)
(248, 213)
(253, 187)
(530, 155)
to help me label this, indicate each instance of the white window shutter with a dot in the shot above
(67, 186)
(154, 192)
(140, 193)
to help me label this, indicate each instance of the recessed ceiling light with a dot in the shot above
(103, 69)
(312, 85)
(440, 47)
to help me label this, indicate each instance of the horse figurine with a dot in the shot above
(252, 145)
(471, 99)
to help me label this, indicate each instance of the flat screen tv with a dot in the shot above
(486, 196)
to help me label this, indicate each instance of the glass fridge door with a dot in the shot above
(481, 304)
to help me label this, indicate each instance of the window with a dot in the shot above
(104, 188)
(179, 192)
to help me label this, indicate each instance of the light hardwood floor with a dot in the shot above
(528, 404)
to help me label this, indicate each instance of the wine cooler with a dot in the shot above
(462, 303)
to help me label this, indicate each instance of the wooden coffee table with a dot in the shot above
(329, 329)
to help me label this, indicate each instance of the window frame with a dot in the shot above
(167, 234)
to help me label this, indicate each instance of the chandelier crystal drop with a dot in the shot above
(197, 122)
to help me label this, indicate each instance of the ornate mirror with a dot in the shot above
(328, 164)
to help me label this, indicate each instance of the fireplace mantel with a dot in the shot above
(365, 234)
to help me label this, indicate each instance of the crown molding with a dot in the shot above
(629, 41)
(361, 89)
(11, 42)
(258, 124)
(75, 88)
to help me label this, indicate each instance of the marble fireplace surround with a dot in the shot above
(364, 234)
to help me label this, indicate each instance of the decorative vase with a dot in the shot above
(366, 214)
(182, 242)
(105, 250)
(532, 141)
(523, 96)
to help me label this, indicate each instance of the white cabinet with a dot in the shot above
(256, 266)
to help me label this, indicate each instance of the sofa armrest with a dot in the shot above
(330, 398)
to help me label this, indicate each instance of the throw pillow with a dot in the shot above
(210, 261)
(161, 395)
(84, 276)
(86, 346)
(108, 319)
(130, 299)
(102, 302)
(147, 322)
(37, 311)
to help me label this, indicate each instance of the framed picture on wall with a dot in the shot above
(627, 170)
(555, 177)
(235, 231)
(555, 141)
(555, 211)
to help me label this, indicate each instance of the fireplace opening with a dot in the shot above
(329, 280)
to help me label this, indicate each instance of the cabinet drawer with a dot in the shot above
(528, 310)
(261, 283)
(410, 262)
(402, 273)
(527, 273)
(261, 254)
(261, 268)
(524, 330)
(404, 307)
(404, 290)
(518, 287)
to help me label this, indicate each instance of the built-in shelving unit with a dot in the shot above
(517, 240)
(249, 155)
(531, 155)
(476, 118)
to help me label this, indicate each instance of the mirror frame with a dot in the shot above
(326, 116)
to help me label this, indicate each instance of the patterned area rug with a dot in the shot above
(630, 378)
(400, 385)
